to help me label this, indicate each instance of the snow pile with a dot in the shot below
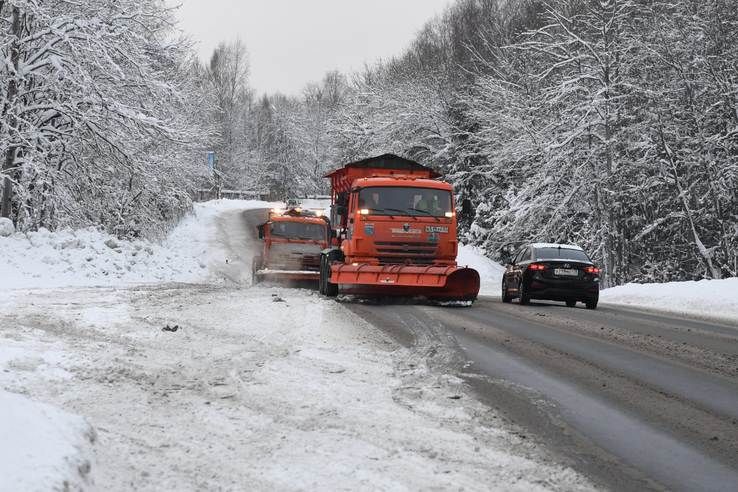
(88, 257)
(490, 273)
(43, 447)
(705, 298)
(6, 227)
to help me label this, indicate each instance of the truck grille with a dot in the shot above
(297, 258)
(294, 255)
(406, 250)
(397, 260)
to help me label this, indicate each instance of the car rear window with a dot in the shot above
(561, 254)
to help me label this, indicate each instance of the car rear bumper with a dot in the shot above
(556, 292)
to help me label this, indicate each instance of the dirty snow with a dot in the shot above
(136, 366)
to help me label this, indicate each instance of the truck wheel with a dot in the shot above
(256, 263)
(321, 278)
(325, 286)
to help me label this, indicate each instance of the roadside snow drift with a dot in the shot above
(43, 447)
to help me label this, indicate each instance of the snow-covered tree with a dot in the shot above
(690, 136)
(232, 97)
(91, 95)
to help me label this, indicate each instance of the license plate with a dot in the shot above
(566, 271)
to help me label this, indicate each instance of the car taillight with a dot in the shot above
(536, 266)
(592, 270)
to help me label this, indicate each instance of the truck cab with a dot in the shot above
(400, 221)
(293, 241)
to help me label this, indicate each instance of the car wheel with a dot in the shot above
(571, 303)
(523, 296)
(505, 295)
(591, 304)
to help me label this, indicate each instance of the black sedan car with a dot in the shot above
(553, 272)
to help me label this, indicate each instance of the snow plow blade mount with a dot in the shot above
(443, 283)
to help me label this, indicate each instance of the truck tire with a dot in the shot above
(256, 263)
(324, 284)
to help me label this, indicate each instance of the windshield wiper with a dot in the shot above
(402, 212)
(380, 210)
(427, 212)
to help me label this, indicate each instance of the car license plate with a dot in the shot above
(571, 272)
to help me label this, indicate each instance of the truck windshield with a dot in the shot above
(297, 230)
(404, 201)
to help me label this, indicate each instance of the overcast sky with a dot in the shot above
(293, 42)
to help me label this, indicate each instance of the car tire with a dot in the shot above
(571, 303)
(523, 296)
(505, 295)
(592, 304)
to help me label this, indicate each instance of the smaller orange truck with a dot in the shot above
(293, 240)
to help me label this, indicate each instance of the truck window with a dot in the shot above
(405, 201)
(298, 230)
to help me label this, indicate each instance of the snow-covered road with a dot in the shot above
(257, 388)
(216, 385)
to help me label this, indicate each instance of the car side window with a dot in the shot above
(526, 255)
(519, 256)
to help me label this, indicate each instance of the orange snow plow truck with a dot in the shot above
(393, 232)
(293, 241)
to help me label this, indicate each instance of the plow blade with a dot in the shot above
(444, 283)
(287, 275)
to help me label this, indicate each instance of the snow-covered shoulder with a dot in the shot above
(87, 257)
(490, 273)
(712, 299)
(43, 447)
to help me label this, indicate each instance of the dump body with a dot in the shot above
(293, 242)
(395, 233)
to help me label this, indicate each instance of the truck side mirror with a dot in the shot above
(507, 261)
(341, 199)
(260, 228)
